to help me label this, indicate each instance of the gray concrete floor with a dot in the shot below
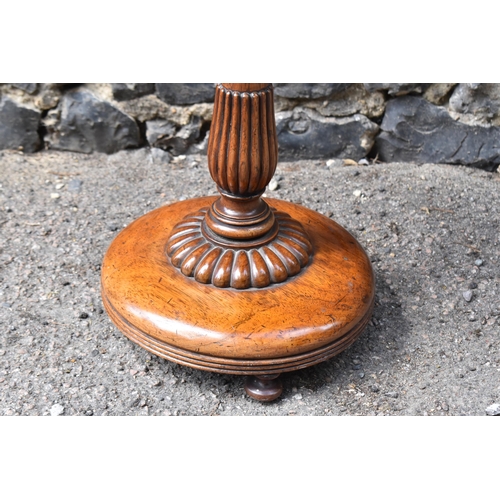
(432, 232)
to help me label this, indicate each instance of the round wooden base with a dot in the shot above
(283, 327)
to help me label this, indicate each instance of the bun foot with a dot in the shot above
(264, 387)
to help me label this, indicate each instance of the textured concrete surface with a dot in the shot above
(432, 348)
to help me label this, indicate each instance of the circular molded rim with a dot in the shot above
(235, 366)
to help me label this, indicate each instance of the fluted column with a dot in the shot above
(242, 158)
(242, 150)
(239, 241)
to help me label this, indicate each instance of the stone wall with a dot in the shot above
(416, 122)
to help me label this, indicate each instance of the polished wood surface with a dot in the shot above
(239, 241)
(237, 284)
(293, 324)
(259, 264)
(243, 147)
(264, 387)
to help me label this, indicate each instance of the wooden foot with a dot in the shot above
(264, 387)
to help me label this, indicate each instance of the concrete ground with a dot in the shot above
(432, 232)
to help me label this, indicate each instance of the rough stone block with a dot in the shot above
(18, 126)
(417, 131)
(29, 88)
(127, 91)
(476, 103)
(158, 130)
(48, 96)
(437, 92)
(398, 89)
(84, 123)
(185, 93)
(304, 133)
(353, 100)
(150, 107)
(308, 90)
(165, 135)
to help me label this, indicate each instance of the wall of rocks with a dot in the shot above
(415, 122)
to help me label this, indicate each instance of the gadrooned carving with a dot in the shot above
(207, 262)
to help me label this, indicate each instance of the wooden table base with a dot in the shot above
(281, 328)
(238, 284)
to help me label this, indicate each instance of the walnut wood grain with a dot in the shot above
(283, 327)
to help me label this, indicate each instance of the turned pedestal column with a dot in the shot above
(236, 283)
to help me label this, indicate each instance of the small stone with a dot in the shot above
(375, 388)
(361, 374)
(160, 156)
(6, 305)
(83, 315)
(493, 410)
(330, 163)
(363, 161)
(394, 395)
(75, 185)
(56, 410)
(478, 262)
(298, 396)
(273, 185)
(357, 193)
(349, 162)
(467, 295)
(55, 196)
(59, 186)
